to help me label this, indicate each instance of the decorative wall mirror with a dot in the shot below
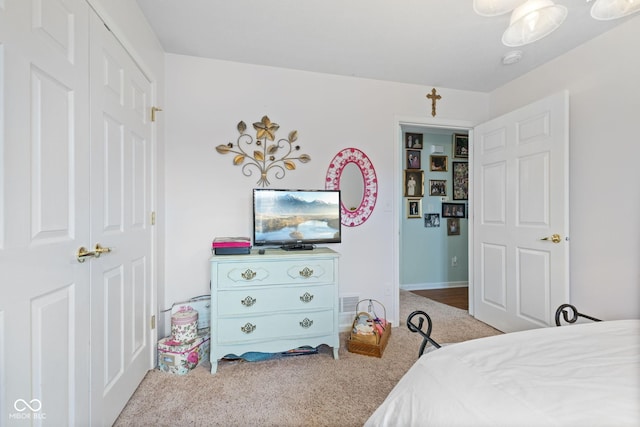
(353, 174)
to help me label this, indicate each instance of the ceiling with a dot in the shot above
(440, 43)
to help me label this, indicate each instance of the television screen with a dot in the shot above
(296, 219)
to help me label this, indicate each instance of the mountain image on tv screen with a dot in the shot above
(283, 216)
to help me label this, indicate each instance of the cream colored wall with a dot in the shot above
(208, 196)
(602, 79)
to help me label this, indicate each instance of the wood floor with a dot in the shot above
(456, 297)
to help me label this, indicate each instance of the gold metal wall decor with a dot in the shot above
(278, 157)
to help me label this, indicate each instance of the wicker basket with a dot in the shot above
(373, 344)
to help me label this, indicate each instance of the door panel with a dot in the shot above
(44, 211)
(121, 179)
(521, 195)
(74, 337)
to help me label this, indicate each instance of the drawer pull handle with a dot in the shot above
(306, 323)
(307, 297)
(248, 301)
(248, 328)
(306, 272)
(249, 274)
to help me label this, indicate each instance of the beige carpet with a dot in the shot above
(312, 390)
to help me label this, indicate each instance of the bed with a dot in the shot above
(583, 374)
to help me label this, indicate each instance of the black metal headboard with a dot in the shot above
(568, 310)
(426, 335)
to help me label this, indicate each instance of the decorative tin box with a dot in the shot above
(184, 325)
(178, 358)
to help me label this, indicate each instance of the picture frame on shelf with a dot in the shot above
(413, 183)
(414, 208)
(453, 210)
(438, 163)
(432, 220)
(413, 140)
(453, 226)
(460, 146)
(414, 159)
(460, 173)
(437, 187)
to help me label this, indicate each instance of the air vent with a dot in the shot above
(348, 303)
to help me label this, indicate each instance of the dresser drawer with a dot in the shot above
(259, 300)
(276, 326)
(258, 273)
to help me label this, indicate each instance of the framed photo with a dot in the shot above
(431, 220)
(460, 146)
(438, 163)
(414, 159)
(437, 187)
(453, 210)
(413, 183)
(414, 208)
(413, 140)
(453, 227)
(460, 180)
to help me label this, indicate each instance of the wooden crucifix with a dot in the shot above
(433, 96)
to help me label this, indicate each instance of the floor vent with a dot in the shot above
(348, 303)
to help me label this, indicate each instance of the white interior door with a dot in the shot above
(44, 212)
(121, 341)
(521, 196)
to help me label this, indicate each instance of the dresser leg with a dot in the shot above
(214, 366)
(335, 353)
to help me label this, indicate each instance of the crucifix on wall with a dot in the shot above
(434, 97)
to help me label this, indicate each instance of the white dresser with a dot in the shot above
(273, 302)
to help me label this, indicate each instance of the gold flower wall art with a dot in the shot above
(264, 154)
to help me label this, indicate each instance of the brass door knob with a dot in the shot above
(99, 250)
(83, 254)
(555, 238)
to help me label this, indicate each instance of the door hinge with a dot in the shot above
(154, 110)
(153, 322)
(153, 218)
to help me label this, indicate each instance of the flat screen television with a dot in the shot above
(296, 219)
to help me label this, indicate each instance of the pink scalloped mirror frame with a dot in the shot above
(370, 195)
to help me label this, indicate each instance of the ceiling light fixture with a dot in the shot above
(494, 7)
(605, 10)
(532, 21)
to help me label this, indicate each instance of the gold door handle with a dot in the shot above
(555, 238)
(99, 250)
(83, 254)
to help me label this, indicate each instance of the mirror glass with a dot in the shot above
(351, 186)
(353, 174)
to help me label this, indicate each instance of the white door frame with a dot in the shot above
(399, 121)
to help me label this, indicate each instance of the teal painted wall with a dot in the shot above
(426, 252)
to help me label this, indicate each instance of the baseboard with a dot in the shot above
(433, 285)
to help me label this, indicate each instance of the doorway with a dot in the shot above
(429, 254)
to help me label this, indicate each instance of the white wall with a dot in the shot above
(207, 196)
(602, 79)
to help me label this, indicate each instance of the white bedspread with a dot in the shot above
(574, 375)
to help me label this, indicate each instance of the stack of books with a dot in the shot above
(231, 245)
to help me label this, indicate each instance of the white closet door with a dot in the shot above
(521, 196)
(44, 212)
(122, 342)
